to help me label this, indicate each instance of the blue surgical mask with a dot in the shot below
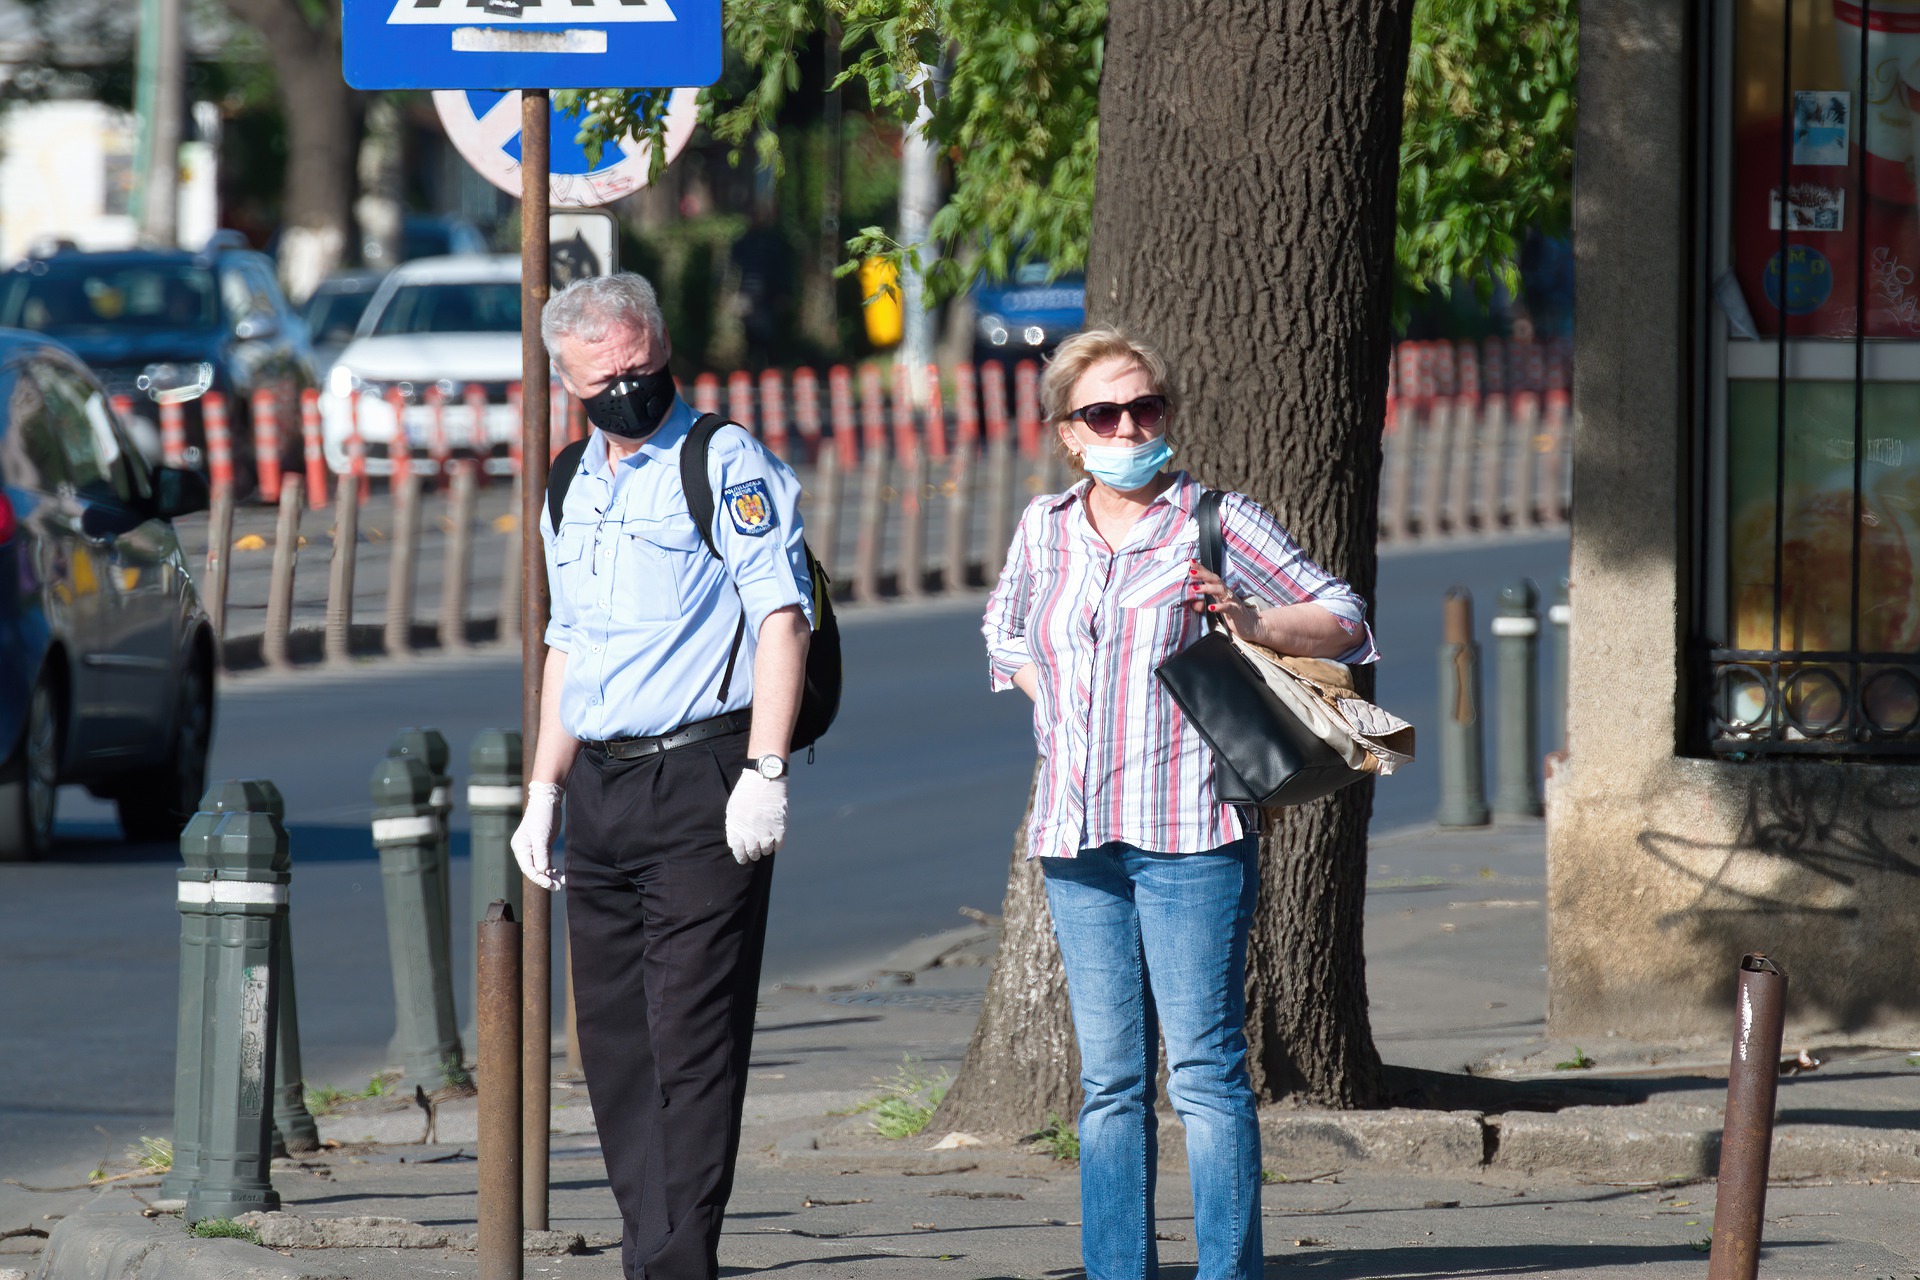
(1126, 467)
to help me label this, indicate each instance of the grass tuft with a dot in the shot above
(324, 1100)
(1057, 1138)
(153, 1155)
(907, 1099)
(223, 1229)
(1578, 1062)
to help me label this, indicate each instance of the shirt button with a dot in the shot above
(605, 602)
(596, 648)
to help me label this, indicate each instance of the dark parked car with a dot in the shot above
(106, 657)
(1026, 315)
(192, 322)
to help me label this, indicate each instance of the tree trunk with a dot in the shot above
(322, 141)
(1023, 1064)
(1243, 224)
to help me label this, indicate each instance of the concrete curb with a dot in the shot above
(1291, 1142)
(111, 1239)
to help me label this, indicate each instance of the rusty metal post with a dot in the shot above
(536, 970)
(346, 538)
(499, 1071)
(213, 588)
(286, 548)
(1463, 788)
(1746, 1138)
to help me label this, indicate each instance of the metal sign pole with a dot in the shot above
(536, 1046)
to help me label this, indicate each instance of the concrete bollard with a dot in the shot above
(1457, 515)
(213, 590)
(456, 575)
(500, 1248)
(189, 1065)
(346, 540)
(286, 549)
(873, 510)
(426, 1036)
(1526, 460)
(1746, 1135)
(1516, 660)
(1436, 448)
(1560, 615)
(953, 573)
(1490, 496)
(910, 576)
(244, 895)
(1463, 795)
(495, 801)
(1397, 457)
(429, 747)
(403, 563)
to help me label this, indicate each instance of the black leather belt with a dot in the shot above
(684, 736)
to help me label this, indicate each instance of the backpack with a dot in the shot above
(820, 692)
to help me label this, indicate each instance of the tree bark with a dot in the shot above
(1243, 224)
(1022, 1064)
(322, 137)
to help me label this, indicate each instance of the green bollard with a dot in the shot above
(429, 747)
(426, 1038)
(294, 1132)
(196, 849)
(1516, 748)
(246, 899)
(1561, 616)
(495, 801)
(1463, 794)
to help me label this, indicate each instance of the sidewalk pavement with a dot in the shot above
(1495, 1163)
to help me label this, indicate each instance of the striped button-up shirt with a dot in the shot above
(1118, 759)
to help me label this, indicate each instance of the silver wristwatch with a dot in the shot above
(771, 767)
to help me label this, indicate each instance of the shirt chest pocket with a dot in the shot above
(653, 569)
(1158, 580)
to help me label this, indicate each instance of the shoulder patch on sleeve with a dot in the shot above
(750, 507)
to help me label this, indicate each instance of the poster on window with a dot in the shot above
(1817, 549)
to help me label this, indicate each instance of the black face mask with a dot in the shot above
(634, 406)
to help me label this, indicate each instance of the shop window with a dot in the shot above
(1809, 527)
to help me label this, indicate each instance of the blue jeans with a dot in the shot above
(1127, 919)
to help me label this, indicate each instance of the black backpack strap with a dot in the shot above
(698, 488)
(560, 474)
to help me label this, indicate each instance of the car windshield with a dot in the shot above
(58, 297)
(332, 315)
(491, 307)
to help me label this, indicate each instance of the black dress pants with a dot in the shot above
(667, 932)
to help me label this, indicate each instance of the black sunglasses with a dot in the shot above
(1103, 419)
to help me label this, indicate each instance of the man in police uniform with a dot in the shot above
(672, 752)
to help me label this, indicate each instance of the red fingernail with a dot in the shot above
(1213, 608)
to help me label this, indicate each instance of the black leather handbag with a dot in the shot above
(1262, 753)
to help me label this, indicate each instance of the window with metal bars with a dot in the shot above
(1808, 626)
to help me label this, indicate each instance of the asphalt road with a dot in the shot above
(906, 816)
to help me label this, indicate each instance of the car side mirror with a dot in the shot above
(179, 492)
(257, 326)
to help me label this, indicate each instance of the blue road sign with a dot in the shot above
(530, 44)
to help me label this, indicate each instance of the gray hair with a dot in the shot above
(587, 309)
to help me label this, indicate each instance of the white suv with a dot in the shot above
(451, 323)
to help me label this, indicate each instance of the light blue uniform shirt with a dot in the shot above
(644, 612)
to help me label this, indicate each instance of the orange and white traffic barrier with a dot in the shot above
(935, 431)
(906, 437)
(993, 394)
(439, 448)
(773, 412)
(219, 442)
(173, 435)
(806, 411)
(400, 451)
(312, 450)
(477, 441)
(966, 406)
(706, 394)
(357, 449)
(1026, 407)
(846, 439)
(266, 444)
(873, 418)
(740, 400)
(122, 407)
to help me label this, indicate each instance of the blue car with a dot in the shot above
(106, 656)
(1026, 315)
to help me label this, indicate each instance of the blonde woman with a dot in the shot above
(1150, 879)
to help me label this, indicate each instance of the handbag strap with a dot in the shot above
(1213, 543)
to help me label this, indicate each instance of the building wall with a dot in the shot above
(56, 162)
(1663, 870)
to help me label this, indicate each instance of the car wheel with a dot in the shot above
(157, 807)
(30, 780)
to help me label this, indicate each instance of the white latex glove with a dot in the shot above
(756, 816)
(533, 840)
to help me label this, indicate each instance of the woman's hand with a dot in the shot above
(1209, 595)
(1305, 630)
